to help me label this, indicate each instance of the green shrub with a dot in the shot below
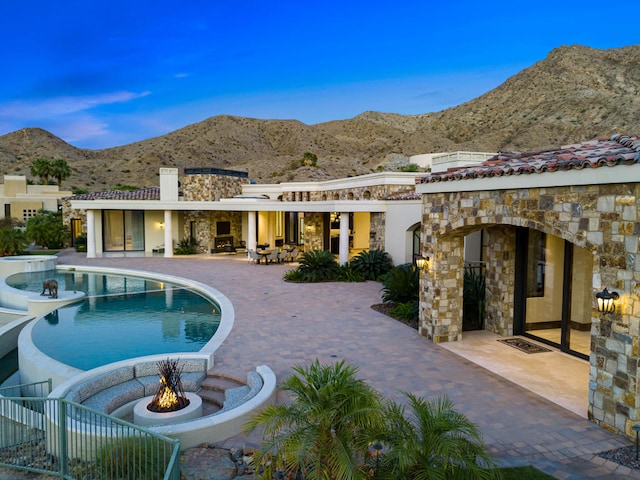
(131, 457)
(46, 229)
(407, 312)
(402, 284)
(187, 246)
(318, 266)
(372, 264)
(349, 274)
(12, 241)
(292, 276)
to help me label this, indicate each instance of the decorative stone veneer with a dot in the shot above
(377, 230)
(211, 188)
(603, 219)
(202, 230)
(373, 192)
(69, 214)
(313, 231)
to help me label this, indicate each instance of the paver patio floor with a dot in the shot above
(281, 324)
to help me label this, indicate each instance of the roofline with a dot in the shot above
(587, 176)
(243, 205)
(369, 180)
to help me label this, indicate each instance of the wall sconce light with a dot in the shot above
(422, 262)
(607, 301)
(161, 225)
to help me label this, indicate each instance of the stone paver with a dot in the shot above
(281, 324)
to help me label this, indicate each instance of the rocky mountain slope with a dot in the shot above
(575, 94)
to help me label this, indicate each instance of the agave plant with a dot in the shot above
(318, 266)
(401, 284)
(372, 264)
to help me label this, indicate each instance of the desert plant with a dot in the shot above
(12, 241)
(187, 246)
(430, 439)
(134, 457)
(292, 275)
(407, 312)
(348, 274)
(323, 432)
(46, 229)
(371, 264)
(60, 170)
(318, 266)
(401, 284)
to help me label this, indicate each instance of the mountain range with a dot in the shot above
(575, 94)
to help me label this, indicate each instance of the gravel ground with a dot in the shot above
(624, 456)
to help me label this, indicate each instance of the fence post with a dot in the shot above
(62, 436)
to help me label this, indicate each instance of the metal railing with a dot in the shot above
(81, 443)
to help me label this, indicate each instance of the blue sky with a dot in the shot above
(105, 73)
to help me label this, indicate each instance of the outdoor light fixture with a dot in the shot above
(606, 301)
(422, 262)
(161, 225)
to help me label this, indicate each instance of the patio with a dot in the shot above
(531, 409)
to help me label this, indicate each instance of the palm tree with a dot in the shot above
(324, 432)
(432, 440)
(60, 170)
(42, 168)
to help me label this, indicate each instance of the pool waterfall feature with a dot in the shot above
(34, 365)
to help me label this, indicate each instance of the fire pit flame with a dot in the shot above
(170, 396)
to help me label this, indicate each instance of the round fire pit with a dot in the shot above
(143, 417)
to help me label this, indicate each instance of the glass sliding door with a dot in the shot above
(123, 230)
(553, 303)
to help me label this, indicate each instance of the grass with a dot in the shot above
(524, 473)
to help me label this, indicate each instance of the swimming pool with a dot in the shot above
(122, 317)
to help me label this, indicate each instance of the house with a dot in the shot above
(557, 227)
(22, 201)
(222, 210)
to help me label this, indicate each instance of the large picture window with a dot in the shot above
(123, 230)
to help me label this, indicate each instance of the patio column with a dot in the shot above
(168, 234)
(251, 232)
(344, 238)
(91, 234)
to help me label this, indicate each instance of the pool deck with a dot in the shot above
(528, 413)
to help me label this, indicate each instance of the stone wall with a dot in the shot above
(372, 192)
(376, 230)
(211, 188)
(202, 230)
(313, 231)
(603, 219)
(499, 246)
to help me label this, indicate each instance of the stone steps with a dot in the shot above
(213, 389)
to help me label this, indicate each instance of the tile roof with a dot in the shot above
(149, 193)
(412, 195)
(619, 149)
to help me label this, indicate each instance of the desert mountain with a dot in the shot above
(575, 94)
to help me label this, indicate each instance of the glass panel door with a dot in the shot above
(556, 291)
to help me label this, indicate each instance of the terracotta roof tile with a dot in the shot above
(603, 152)
(149, 193)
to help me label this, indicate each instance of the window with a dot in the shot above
(123, 230)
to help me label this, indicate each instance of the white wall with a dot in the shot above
(401, 216)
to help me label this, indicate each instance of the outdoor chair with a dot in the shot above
(294, 254)
(253, 255)
(272, 256)
(283, 256)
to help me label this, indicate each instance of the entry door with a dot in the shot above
(553, 291)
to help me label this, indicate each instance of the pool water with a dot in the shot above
(123, 317)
